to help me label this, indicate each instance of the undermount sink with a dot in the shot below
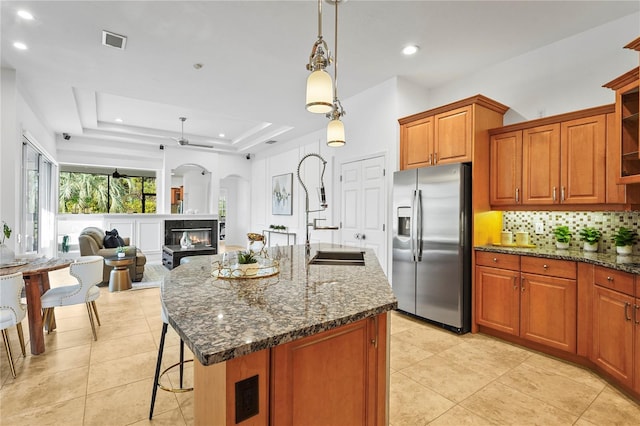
(323, 257)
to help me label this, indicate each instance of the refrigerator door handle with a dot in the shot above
(412, 237)
(419, 227)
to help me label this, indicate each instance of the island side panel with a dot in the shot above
(214, 390)
(334, 377)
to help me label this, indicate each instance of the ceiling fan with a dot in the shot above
(184, 141)
(117, 175)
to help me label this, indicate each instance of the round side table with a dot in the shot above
(119, 279)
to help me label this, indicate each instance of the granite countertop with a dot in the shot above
(629, 264)
(221, 319)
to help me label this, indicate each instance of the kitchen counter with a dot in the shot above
(220, 320)
(629, 264)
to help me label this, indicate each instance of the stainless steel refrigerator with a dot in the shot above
(432, 244)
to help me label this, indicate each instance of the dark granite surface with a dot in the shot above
(629, 264)
(221, 319)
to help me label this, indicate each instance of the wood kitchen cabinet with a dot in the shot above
(334, 377)
(614, 330)
(541, 164)
(551, 161)
(548, 302)
(447, 134)
(417, 148)
(497, 291)
(453, 136)
(176, 195)
(533, 298)
(506, 168)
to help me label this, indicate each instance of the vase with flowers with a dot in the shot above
(6, 254)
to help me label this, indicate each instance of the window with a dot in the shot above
(38, 203)
(100, 192)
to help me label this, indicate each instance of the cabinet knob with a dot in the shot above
(609, 278)
(545, 266)
(495, 260)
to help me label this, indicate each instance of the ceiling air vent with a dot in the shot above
(269, 142)
(113, 40)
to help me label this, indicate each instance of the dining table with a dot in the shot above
(35, 272)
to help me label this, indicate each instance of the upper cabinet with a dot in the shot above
(417, 148)
(447, 134)
(552, 161)
(628, 132)
(627, 99)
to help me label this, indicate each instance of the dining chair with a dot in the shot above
(12, 312)
(88, 272)
(158, 375)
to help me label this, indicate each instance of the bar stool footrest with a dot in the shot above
(174, 390)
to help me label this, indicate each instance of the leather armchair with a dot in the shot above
(91, 242)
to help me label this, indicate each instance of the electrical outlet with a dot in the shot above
(539, 227)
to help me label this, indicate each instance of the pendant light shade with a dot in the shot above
(319, 92)
(335, 133)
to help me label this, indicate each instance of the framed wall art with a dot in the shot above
(282, 194)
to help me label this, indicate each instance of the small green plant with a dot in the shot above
(245, 257)
(121, 249)
(590, 235)
(562, 234)
(6, 231)
(625, 237)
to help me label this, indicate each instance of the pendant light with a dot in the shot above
(319, 89)
(335, 129)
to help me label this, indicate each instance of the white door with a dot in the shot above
(363, 206)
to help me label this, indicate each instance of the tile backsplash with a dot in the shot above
(607, 222)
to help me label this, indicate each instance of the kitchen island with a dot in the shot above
(306, 346)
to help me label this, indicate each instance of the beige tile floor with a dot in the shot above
(436, 377)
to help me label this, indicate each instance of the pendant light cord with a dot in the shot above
(319, 19)
(335, 57)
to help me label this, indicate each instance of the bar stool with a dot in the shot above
(158, 375)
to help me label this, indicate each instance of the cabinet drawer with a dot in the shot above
(498, 260)
(549, 267)
(614, 280)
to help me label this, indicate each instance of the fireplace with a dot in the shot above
(202, 236)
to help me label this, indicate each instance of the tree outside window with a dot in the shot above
(101, 193)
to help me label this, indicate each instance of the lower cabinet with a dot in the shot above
(497, 292)
(332, 378)
(616, 326)
(534, 299)
(537, 299)
(548, 303)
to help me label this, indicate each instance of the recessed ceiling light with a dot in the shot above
(20, 45)
(221, 135)
(410, 50)
(25, 15)
(118, 120)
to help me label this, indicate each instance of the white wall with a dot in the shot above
(17, 119)
(564, 76)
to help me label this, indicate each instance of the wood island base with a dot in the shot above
(338, 376)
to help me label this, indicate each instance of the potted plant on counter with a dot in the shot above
(248, 263)
(590, 236)
(563, 236)
(625, 239)
(6, 254)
